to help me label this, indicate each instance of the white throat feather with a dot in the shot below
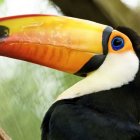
(117, 70)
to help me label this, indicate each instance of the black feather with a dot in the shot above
(108, 115)
(133, 36)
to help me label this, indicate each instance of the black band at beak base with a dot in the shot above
(105, 37)
(94, 63)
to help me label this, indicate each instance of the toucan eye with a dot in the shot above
(117, 43)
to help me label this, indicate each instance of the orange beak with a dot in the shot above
(67, 44)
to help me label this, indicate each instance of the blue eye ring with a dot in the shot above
(117, 43)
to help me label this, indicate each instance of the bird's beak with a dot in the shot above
(67, 44)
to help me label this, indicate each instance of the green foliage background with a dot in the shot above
(26, 96)
(1, 1)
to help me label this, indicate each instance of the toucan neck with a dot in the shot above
(111, 74)
(123, 102)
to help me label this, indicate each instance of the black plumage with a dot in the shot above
(107, 115)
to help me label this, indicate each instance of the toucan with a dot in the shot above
(105, 104)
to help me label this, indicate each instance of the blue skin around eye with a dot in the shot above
(117, 43)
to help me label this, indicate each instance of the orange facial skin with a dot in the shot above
(127, 43)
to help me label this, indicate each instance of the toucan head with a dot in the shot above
(135, 40)
(71, 45)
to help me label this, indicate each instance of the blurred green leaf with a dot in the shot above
(1, 1)
(26, 96)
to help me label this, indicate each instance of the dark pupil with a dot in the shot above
(117, 42)
(4, 31)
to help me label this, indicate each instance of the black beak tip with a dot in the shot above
(4, 31)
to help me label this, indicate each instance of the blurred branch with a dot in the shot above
(84, 9)
(3, 135)
(108, 12)
(119, 13)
